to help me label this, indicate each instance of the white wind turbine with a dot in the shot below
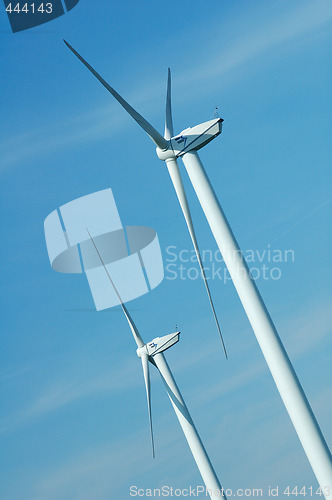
(152, 352)
(162, 144)
(185, 145)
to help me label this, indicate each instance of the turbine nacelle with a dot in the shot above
(159, 344)
(192, 138)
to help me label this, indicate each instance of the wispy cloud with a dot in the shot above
(73, 130)
(91, 473)
(96, 471)
(261, 38)
(96, 125)
(70, 387)
(303, 331)
(108, 470)
(17, 373)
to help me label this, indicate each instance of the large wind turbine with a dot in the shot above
(152, 352)
(163, 144)
(185, 145)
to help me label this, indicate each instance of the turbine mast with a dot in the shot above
(213, 487)
(267, 336)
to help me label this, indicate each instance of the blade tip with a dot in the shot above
(67, 44)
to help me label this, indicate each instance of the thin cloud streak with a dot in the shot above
(100, 123)
(89, 127)
(68, 389)
(256, 42)
(303, 332)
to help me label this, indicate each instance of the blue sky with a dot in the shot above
(73, 420)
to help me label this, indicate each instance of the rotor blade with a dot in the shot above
(133, 327)
(169, 121)
(145, 364)
(149, 129)
(180, 192)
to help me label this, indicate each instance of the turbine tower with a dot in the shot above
(185, 145)
(153, 352)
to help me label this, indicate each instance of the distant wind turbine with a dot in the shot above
(152, 352)
(185, 145)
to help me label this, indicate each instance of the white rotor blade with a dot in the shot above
(149, 129)
(168, 121)
(174, 172)
(133, 327)
(146, 373)
(139, 341)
